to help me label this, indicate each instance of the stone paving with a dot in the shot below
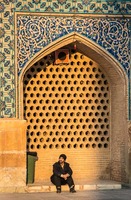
(119, 194)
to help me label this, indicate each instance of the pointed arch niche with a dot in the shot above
(118, 166)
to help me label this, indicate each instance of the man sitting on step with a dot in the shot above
(62, 174)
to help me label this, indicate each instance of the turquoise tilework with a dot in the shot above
(76, 6)
(7, 67)
(36, 32)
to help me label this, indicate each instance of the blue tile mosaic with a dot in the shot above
(7, 67)
(116, 7)
(36, 32)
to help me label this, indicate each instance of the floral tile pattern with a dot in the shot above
(36, 32)
(78, 6)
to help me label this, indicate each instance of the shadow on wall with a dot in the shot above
(129, 167)
(106, 173)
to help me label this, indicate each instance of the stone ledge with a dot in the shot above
(52, 188)
(34, 188)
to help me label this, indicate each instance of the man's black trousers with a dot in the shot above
(58, 181)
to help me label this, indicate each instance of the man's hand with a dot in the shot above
(65, 176)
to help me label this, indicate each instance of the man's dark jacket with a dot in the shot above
(58, 170)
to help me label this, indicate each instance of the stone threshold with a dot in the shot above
(101, 185)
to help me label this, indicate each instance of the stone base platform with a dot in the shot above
(98, 185)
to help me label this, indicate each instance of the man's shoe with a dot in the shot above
(58, 190)
(72, 190)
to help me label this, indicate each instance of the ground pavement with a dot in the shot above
(119, 194)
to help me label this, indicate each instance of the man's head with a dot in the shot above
(62, 158)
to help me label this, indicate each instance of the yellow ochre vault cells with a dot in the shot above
(65, 87)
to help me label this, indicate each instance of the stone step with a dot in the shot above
(104, 185)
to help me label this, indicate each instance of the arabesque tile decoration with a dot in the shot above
(116, 28)
(36, 32)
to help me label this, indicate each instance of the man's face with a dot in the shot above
(61, 160)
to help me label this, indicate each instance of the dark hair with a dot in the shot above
(63, 156)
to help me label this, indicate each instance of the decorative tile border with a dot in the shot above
(7, 69)
(121, 7)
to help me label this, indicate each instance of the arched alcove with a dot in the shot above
(118, 98)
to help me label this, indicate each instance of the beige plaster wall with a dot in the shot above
(12, 155)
